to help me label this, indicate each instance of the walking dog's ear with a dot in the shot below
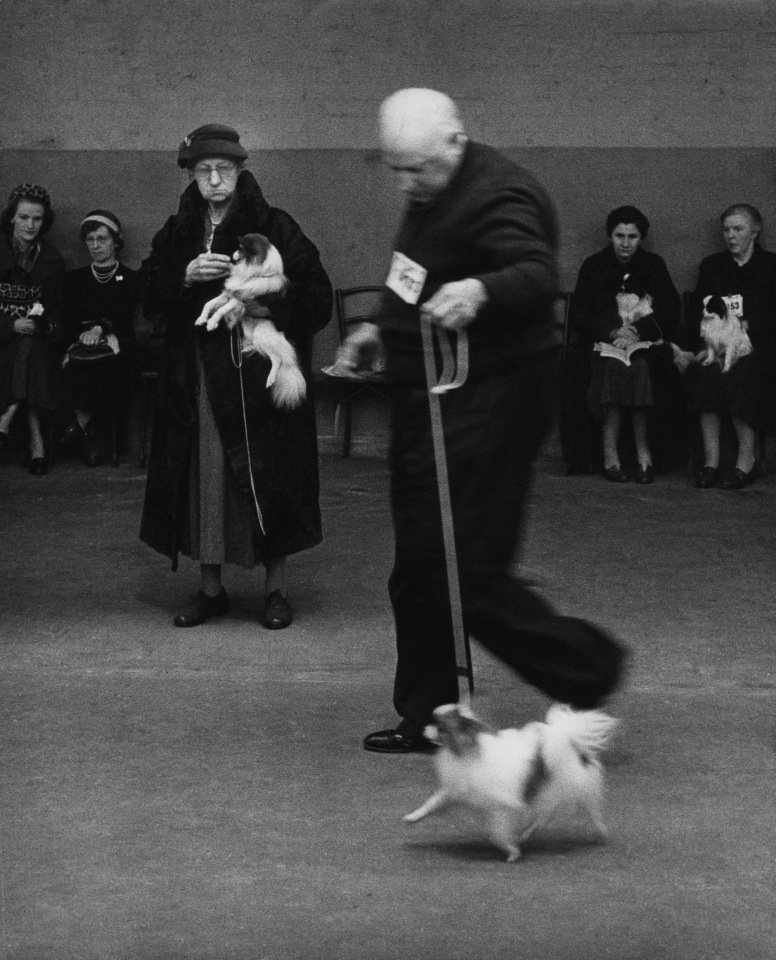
(459, 728)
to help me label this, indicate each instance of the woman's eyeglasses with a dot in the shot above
(224, 171)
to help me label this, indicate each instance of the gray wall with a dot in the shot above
(669, 105)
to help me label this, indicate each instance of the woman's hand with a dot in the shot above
(208, 266)
(92, 336)
(624, 336)
(25, 326)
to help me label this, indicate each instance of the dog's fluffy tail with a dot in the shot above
(588, 731)
(285, 381)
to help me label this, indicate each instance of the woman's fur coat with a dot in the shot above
(283, 444)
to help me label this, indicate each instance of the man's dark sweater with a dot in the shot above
(495, 223)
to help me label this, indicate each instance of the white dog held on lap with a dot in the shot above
(518, 779)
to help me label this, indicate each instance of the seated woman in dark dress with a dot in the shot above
(624, 295)
(100, 302)
(31, 272)
(744, 276)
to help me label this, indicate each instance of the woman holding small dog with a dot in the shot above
(624, 295)
(232, 477)
(744, 276)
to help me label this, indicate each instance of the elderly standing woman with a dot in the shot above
(622, 270)
(31, 274)
(232, 478)
(100, 303)
(744, 274)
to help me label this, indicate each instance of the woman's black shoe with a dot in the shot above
(38, 467)
(645, 474)
(277, 611)
(202, 608)
(738, 479)
(615, 474)
(707, 478)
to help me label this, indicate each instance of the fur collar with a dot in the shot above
(247, 204)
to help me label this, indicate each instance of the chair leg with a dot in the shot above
(348, 431)
(114, 437)
(50, 437)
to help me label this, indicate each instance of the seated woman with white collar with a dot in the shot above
(100, 303)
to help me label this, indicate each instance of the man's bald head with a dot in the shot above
(417, 119)
(422, 139)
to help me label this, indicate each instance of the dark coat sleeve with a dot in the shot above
(514, 234)
(51, 297)
(593, 316)
(161, 278)
(308, 301)
(666, 302)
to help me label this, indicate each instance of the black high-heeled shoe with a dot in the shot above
(645, 474)
(707, 478)
(615, 474)
(738, 479)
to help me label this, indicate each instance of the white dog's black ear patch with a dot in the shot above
(538, 775)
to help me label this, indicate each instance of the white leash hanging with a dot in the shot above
(236, 338)
(455, 369)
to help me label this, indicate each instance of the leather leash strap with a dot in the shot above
(455, 369)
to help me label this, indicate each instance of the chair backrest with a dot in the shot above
(355, 305)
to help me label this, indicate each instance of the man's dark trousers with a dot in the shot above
(494, 427)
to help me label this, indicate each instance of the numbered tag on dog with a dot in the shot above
(735, 305)
(406, 278)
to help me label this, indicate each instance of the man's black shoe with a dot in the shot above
(390, 741)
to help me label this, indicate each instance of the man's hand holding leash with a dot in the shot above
(455, 305)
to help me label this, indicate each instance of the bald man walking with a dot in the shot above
(476, 251)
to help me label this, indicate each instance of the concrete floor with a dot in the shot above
(177, 795)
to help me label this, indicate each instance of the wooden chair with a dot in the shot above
(353, 305)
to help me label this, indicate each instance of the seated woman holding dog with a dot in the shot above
(744, 276)
(100, 303)
(31, 272)
(624, 295)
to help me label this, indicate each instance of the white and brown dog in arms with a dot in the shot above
(518, 779)
(258, 275)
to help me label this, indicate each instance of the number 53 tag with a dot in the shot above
(406, 278)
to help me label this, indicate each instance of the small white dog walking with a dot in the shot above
(518, 779)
